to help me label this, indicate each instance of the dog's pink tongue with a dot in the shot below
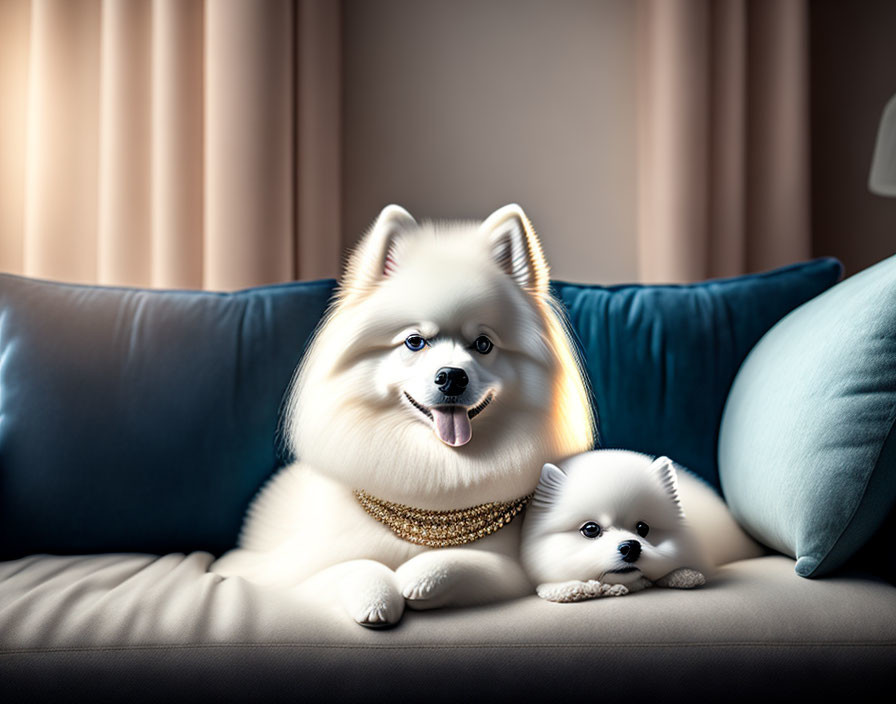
(452, 425)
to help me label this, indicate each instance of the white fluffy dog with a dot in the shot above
(437, 385)
(611, 522)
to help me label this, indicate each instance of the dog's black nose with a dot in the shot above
(451, 381)
(630, 550)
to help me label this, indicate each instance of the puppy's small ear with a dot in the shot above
(550, 483)
(664, 470)
(376, 257)
(516, 249)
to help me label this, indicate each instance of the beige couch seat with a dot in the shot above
(148, 628)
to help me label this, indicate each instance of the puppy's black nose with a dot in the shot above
(451, 381)
(630, 550)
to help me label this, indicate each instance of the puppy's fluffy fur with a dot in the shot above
(610, 522)
(366, 412)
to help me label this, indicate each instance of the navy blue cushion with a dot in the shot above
(661, 359)
(135, 420)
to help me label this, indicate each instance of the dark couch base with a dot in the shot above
(687, 673)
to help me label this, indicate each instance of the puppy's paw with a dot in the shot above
(684, 578)
(575, 590)
(639, 584)
(615, 590)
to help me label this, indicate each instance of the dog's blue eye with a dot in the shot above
(483, 345)
(415, 343)
(642, 528)
(590, 530)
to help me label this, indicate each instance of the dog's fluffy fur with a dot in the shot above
(610, 522)
(364, 413)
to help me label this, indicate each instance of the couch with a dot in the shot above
(135, 427)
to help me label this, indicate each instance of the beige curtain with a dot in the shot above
(723, 137)
(170, 143)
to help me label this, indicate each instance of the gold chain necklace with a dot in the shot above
(441, 529)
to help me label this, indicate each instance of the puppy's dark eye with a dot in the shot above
(415, 343)
(482, 344)
(590, 530)
(642, 528)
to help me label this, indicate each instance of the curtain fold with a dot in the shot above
(62, 143)
(723, 137)
(124, 147)
(318, 137)
(15, 21)
(178, 117)
(159, 142)
(249, 143)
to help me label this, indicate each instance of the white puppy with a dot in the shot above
(611, 522)
(437, 385)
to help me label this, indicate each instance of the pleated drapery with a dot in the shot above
(723, 137)
(196, 143)
(170, 143)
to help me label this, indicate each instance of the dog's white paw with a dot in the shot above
(426, 582)
(425, 587)
(370, 595)
(377, 613)
(684, 578)
(575, 590)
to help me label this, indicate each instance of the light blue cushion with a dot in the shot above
(807, 449)
(661, 359)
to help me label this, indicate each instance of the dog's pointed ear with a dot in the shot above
(516, 249)
(664, 470)
(376, 257)
(550, 483)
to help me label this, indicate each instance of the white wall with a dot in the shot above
(453, 108)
